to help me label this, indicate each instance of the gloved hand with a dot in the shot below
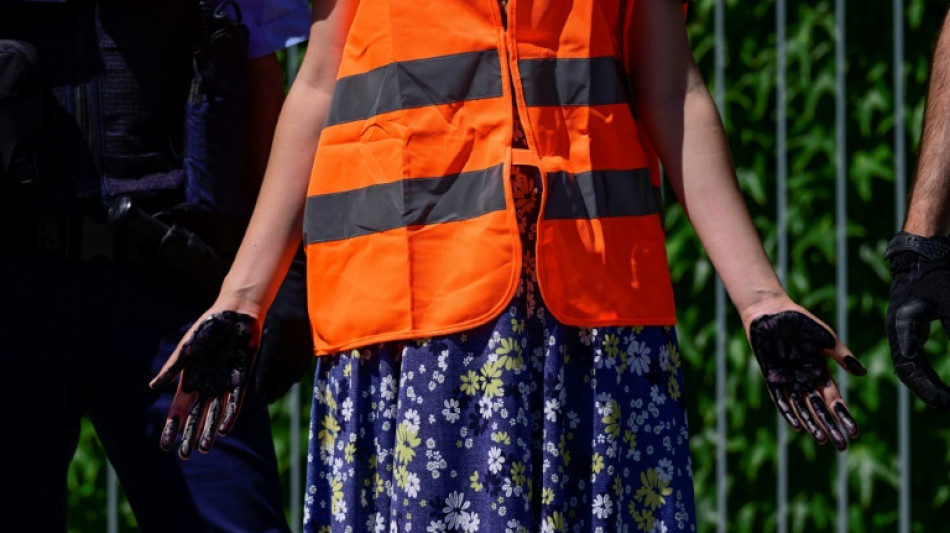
(215, 363)
(286, 342)
(791, 348)
(920, 294)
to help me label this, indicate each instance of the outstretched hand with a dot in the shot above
(791, 349)
(920, 294)
(215, 362)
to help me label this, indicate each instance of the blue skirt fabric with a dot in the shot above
(521, 425)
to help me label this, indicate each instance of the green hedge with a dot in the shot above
(750, 110)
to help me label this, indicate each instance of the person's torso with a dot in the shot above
(409, 227)
(117, 75)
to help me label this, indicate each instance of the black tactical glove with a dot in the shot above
(920, 294)
(286, 342)
(792, 349)
(215, 363)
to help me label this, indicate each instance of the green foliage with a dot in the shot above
(751, 121)
(87, 481)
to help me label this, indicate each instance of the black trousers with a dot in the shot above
(84, 339)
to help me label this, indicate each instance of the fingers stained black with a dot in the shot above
(805, 415)
(169, 433)
(210, 426)
(827, 420)
(844, 416)
(191, 429)
(231, 410)
(781, 401)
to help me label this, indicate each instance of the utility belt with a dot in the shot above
(127, 234)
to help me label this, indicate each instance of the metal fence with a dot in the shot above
(781, 192)
(295, 493)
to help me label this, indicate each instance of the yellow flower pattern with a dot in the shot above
(456, 433)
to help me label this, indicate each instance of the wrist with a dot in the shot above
(927, 219)
(933, 248)
(763, 303)
(239, 300)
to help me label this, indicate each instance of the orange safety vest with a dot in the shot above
(410, 228)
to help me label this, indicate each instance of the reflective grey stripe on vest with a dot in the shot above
(408, 84)
(572, 82)
(410, 202)
(600, 194)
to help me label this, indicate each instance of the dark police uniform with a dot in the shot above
(90, 308)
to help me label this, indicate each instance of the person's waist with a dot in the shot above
(133, 236)
(56, 235)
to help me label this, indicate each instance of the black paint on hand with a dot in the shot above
(791, 348)
(219, 355)
(215, 365)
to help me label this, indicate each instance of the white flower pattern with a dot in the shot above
(462, 433)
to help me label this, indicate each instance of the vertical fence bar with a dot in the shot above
(841, 216)
(721, 368)
(781, 164)
(112, 499)
(900, 182)
(296, 470)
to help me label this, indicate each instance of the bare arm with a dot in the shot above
(215, 358)
(681, 119)
(929, 210)
(274, 231)
(919, 256)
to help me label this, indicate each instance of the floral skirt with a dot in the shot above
(521, 425)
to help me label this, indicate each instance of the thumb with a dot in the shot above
(175, 362)
(169, 371)
(907, 336)
(845, 359)
(838, 351)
